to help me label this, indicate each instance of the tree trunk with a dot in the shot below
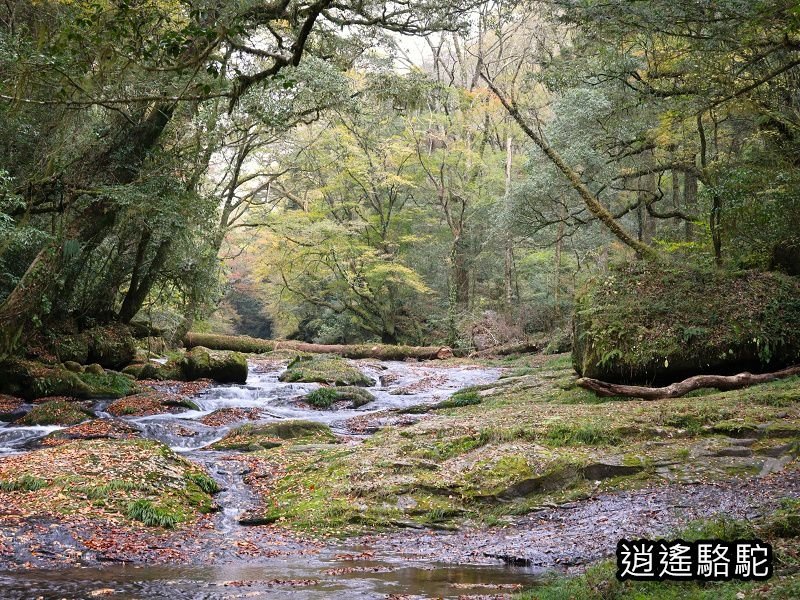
(676, 390)
(689, 201)
(141, 286)
(592, 202)
(25, 305)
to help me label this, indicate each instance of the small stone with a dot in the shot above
(406, 503)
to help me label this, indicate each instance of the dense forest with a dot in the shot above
(297, 162)
(495, 181)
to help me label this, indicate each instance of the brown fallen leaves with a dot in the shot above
(227, 416)
(91, 430)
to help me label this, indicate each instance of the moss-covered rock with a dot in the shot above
(323, 368)
(219, 365)
(260, 437)
(648, 324)
(31, 380)
(151, 402)
(56, 412)
(111, 346)
(326, 397)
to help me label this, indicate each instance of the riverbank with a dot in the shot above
(517, 473)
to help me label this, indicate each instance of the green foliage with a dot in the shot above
(152, 515)
(580, 434)
(26, 483)
(322, 398)
(205, 482)
(461, 398)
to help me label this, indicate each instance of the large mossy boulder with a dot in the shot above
(111, 346)
(220, 365)
(653, 324)
(32, 380)
(324, 368)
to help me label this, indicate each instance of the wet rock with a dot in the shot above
(254, 518)
(152, 402)
(226, 416)
(95, 429)
(220, 365)
(251, 437)
(774, 465)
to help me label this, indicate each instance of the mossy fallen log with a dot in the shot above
(255, 345)
(681, 388)
(523, 347)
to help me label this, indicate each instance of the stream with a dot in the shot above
(319, 571)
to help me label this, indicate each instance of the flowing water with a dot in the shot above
(321, 574)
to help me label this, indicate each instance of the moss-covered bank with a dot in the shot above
(644, 324)
(119, 480)
(32, 380)
(527, 440)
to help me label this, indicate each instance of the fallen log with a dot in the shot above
(243, 343)
(681, 388)
(525, 347)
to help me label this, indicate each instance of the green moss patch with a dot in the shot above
(326, 397)
(252, 437)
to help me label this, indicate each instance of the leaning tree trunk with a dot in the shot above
(25, 305)
(589, 199)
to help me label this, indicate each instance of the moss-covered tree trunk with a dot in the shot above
(117, 162)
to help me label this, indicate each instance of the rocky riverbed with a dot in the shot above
(419, 492)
